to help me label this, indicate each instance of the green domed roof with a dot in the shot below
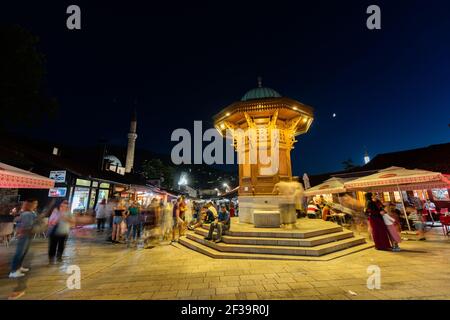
(260, 93)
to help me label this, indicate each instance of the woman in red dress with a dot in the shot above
(378, 228)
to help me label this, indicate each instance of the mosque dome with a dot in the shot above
(113, 160)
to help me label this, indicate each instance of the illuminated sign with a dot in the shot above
(57, 192)
(58, 176)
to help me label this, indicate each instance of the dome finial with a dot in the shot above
(259, 82)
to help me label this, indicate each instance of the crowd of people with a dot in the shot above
(127, 223)
(122, 224)
(168, 221)
(322, 209)
(386, 220)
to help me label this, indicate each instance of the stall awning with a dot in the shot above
(332, 185)
(15, 178)
(396, 178)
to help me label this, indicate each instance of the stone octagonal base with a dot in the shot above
(248, 205)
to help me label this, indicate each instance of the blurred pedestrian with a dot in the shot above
(60, 222)
(100, 215)
(133, 221)
(416, 217)
(110, 205)
(24, 232)
(390, 223)
(377, 227)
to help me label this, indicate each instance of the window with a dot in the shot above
(95, 184)
(103, 194)
(80, 200)
(81, 182)
(92, 199)
(440, 194)
(386, 196)
(421, 194)
(397, 197)
(104, 185)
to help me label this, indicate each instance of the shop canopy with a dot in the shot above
(14, 178)
(400, 179)
(332, 185)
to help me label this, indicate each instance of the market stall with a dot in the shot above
(399, 179)
(330, 187)
(15, 178)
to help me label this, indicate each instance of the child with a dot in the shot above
(390, 223)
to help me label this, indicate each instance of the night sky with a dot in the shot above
(180, 62)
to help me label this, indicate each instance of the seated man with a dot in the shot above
(202, 218)
(417, 220)
(222, 223)
(326, 212)
(312, 210)
(211, 213)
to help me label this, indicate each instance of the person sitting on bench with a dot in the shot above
(222, 223)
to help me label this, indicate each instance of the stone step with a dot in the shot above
(308, 242)
(318, 250)
(206, 250)
(283, 233)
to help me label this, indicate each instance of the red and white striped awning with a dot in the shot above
(15, 178)
(395, 178)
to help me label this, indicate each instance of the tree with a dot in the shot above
(156, 169)
(22, 98)
(348, 164)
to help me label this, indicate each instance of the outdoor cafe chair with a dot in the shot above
(445, 223)
(6, 232)
(43, 228)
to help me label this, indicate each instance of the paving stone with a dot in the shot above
(203, 292)
(165, 294)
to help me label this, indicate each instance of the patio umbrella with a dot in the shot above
(400, 179)
(13, 178)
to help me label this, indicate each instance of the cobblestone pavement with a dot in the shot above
(113, 271)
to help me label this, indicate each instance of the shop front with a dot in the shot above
(86, 194)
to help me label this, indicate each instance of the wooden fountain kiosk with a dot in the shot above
(263, 110)
(257, 234)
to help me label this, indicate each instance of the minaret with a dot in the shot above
(131, 144)
(366, 157)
